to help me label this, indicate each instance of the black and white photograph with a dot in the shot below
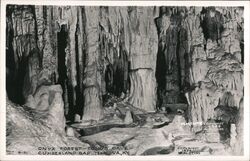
(124, 80)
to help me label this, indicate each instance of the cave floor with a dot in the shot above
(155, 133)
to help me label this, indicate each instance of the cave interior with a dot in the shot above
(127, 63)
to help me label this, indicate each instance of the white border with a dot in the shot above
(246, 5)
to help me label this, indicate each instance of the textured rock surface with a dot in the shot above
(215, 71)
(48, 99)
(216, 91)
(114, 49)
(237, 148)
(199, 53)
(129, 43)
(98, 48)
(132, 138)
(141, 140)
(29, 129)
(92, 76)
(147, 57)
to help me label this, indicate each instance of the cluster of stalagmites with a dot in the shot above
(134, 52)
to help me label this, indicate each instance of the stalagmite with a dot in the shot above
(128, 118)
(238, 148)
(70, 131)
(77, 118)
(232, 135)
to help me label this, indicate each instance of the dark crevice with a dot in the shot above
(160, 74)
(212, 24)
(169, 77)
(15, 69)
(10, 67)
(116, 73)
(79, 100)
(178, 59)
(242, 52)
(62, 37)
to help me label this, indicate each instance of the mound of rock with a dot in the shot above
(31, 128)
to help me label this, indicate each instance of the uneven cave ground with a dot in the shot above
(125, 80)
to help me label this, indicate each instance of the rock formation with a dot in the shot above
(69, 60)
(218, 69)
(30, 129)
(88, 50)
(128, 118)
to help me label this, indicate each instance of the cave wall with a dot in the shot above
(216, 67)
(107, 49)
(179, 54)
(200, 56)
(129, 48)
